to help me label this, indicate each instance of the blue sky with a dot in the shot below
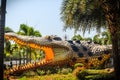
(43, 15)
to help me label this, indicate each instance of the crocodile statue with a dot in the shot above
(60, 52)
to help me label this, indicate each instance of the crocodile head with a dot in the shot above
(55, 48)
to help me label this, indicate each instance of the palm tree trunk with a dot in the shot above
(116, 54)
(2, 25)
(112, 15)
(114, 36)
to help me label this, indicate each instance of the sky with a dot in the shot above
(42, 15)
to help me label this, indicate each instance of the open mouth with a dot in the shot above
(51, 52)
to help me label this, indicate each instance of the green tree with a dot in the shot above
(106, 38)
(87, 39)
(97, 39)
(89, 14)
(77, 37)
(82, 15)
(7, 43)
(2, 25)
(8, 51)
(8, 29)
(28, 31)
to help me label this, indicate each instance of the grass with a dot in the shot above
(64, 74)
(68, 76)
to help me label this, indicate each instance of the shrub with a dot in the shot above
(81, 75)
(41, 72)
(66, 70)
(78, 65)
(77, 70)
(48, 72)
(29, 73)
(94, 75)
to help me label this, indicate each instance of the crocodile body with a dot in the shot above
(60, 52)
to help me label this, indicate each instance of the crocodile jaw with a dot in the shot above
(54, 50)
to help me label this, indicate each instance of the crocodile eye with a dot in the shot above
(49, 38)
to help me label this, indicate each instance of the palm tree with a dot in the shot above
(89, 14)
(97, 39)
(29, 31)
(106, 38)
(112, 11)
(77, 37)
(7, 43)
(7, 29)
(87, 39)
(2, 25)
(8, 51)
(82, 15)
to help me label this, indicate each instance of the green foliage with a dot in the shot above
(29, 73)
(51, 77)
(100, 77)
(77, 37)
(66, 70)
(78, 65)
(88, 39)
(94, 75)
(97, 39)
(7, 29)
(83, 15)
(48, 72)
(29, 31)
(106, 38)
(51, 70)
(41, 72)
(23, 78)
(81, 75)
